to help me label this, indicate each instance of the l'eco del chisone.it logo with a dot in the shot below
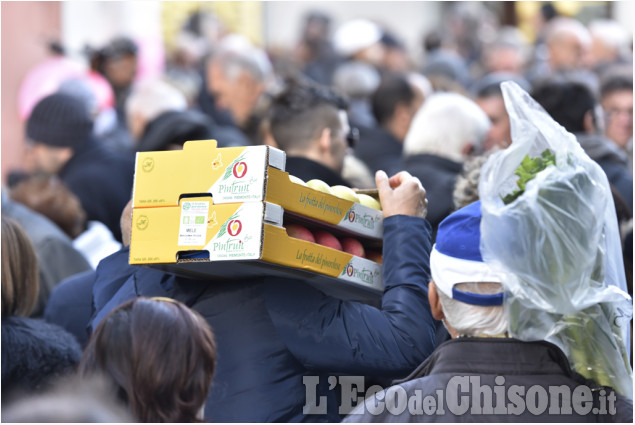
(234, 227)
(240, 169)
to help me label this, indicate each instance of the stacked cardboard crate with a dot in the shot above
(220, 213)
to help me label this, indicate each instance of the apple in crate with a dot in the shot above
(318, 184)
(300, 232)
(345, 193)
(353, 246)
(369, 201)
(325, 238)
(375, 256)
(296, 180)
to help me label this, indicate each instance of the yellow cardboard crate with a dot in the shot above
(243, 174)
(200, 239)
(230, 174)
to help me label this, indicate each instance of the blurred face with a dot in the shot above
(500, 132)
(373, 54)
(238, 95)
(41, 158)
(618, 111)
(600, 53)
(121, 71)
(504, 59)
(396, 60)
(567, 52)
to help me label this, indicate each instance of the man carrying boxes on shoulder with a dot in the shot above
(282, 344)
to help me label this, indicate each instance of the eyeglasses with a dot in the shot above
(352, 137)
(614, 113)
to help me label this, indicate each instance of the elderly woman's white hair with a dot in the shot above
(448, 125)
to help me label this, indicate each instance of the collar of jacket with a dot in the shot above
(600, 148)
(307, 169)
(501, 356)
(89, 145)
(434, 160)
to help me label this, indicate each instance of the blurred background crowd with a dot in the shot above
(85, 85)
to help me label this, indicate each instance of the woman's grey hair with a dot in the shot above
(472, 320)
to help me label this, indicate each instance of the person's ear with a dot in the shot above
(467, 149)
(325, 140)
(404, 113)
(435, 301)
(65, 154)
(588, 122)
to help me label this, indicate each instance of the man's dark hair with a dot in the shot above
(566, 101)
(301, 111)
(548, 11)
(392, 91)
(615, 81)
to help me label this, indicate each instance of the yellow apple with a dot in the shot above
(369, 201)
(345, 193)
(318, 184)
(296, 180)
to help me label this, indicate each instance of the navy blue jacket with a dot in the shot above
(70, 305)
(272, 332)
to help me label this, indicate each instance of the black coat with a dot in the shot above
(379, 150)
(307, 169)
(35, 352)
(102, 179)
(271, 333)
(438, 177)
(613, 162)
(522, 364)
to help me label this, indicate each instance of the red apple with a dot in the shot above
(375, 256)
(353, 246)
(326, 239)
(300, 232)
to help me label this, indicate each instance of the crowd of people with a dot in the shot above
(348, 106)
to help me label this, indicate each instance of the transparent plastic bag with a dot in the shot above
(558, 245)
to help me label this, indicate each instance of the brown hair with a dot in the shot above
(161, 356)
(49, 196)
(20, 285)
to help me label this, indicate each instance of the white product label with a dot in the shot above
(364, 220)
(193, 225)
(243, 179)
(363, 272)
(239, 237)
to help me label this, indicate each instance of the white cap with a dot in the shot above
(355, 35)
